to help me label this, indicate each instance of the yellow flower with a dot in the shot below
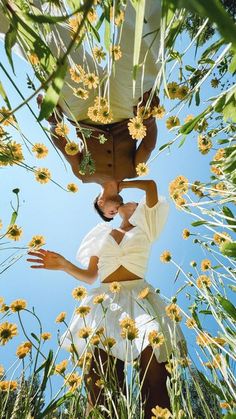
(179, 185)
(129, 333)
(81, 93)
(205, 264)
(72, 148)
(75, 21)
(105, 115)
(160, 413)
(42, 175)
(203, 281)
(225, 405)
(92, 15)
(73, 381)
(158, 112)
(156, 339)
(95, 340)
(190, 323)
(85, 332)
(204, 144)
(91, 80)
(99, 299)
(116, 52)
(144, 293)
(1, 370)
(1, 224)
(14, 232)
(142, 169)
(217, 361)
(185, 233)
(4, 308)
(109, 343)
(101, 102)
(182, 92)
(215, 82)
(4, 113)
(136, 128)
(173, 312)
(77, 73)
(61, 367)
(33, 58)
(126, 322)
(46, 336)
(100, 383)
(143, 112)
(79, 293)
(100, 331)
(119, 18)
(85, 360)
(172, 121)
(220, 341)
(93, 113)
(203, 339)
(8, 385)
(196, 188)
(189, 118)
(172, 90)
(7, 332)
(23, 349)
(171, 366)
(41, 150)
(72, 187)
(61, 317)
(99, 54)
(220, 238)
(62, 129)
(82, 311)
(18, 305)
(115, 287)
(37, 242)
(165, 257)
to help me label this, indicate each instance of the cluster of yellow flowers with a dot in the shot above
(177, 188)
(223, 237)
(10, 153)
(160, 413)
(176, 91)
(23, 350)
(218, 157)
(173, 312)
(204, 144)
(8, 385)
(73, 380)
(6, 118)
(128, 328)
(100, 111)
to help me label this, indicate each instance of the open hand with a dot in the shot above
(44, 259)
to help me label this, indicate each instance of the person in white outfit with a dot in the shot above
(119, 257)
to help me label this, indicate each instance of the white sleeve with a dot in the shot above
(151, 220)
(92, 243)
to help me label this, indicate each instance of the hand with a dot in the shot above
(56, 116)
(44, 259)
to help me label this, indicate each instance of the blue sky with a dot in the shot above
(65, 218)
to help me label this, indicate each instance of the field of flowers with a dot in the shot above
(200, 385)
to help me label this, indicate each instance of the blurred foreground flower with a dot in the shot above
(73, 381)
(8, 385)
(62, 129)
(156, 339)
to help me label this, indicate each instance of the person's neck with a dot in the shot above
(109, 188)
(125, 224)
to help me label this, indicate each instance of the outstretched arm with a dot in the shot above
(45, 259)
(149, 186)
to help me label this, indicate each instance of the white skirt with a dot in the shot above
(149, 315)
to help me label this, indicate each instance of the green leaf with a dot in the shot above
(228, 213)
(4, 96)
(52, 95)
(199, 223)
(53, 405)
(197, 97)
(47, 366)
(228, 306)
(107, 34)
(189, 126)
(230, 416)
(205, 311)
(35, 337)
(232, 67)
(182, 141)
(48, 18)
(212, 387)
(229, 164)
(165, 146)
(228, 249)
(10, 40)
(229, 110)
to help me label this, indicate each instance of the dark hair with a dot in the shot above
(99, 211)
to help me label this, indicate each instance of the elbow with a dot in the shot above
(91, 277)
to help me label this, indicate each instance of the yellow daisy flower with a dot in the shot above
(99, 299)
(116, 52)
(99, 54)
(126, 322)
(8, 385)
(182, 92)
(205, 264)
(37, 242)
(203, 339)
(73, 381)
(82, 311)
(105, 115)
(190, 323)
(46, 336)
(172, 121)
(156, 339)
(173, 312)
(40, 149)
(23, 350)
(160, 413)
(72, 148)
(95, 340)
(158, 112)
(142, 169)
(61, 317)
(42, 175)
(172, 90)
(109, 343)
(119, 18)
(14, 232)
(220, 238)
(61, 367)
(62, 129)
(3, 113)
(165, 257)
(79, 293)
(72, 187)
(91, 80)
(203, 281)
(92, 15)
(115, 287)
(77, 73)
(18, 305)
(81, 93)
(7, 332)
(85, 332)
(204, 144)
(136, 128)
(185, 233)
(93, 113)
(130, 333)
(144, 293)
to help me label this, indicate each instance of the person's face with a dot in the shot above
(110, 206)
(127, 210)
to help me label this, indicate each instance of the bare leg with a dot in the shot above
(154, 391)
(107, 368)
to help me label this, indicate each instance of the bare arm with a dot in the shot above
(44, 259)
(149, 186)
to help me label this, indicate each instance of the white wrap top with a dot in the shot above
(133, 250)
